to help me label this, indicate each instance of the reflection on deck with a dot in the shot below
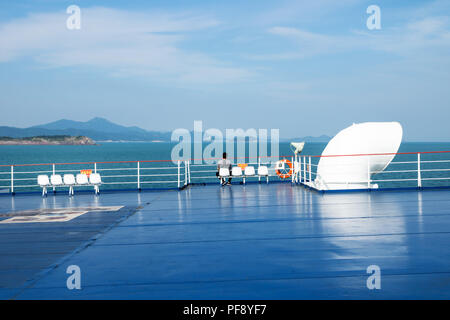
(258, 241)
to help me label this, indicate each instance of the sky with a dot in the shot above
(306, 68)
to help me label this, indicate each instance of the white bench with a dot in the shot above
(236, 172)
(249, 171)
(224, 173)
(44, 183)
(95, 180)
(263, 171)
(70, 181)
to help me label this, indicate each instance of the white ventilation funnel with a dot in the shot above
(342, 166)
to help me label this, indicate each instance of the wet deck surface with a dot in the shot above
(256, 241)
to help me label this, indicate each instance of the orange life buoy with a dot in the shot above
(285, 175)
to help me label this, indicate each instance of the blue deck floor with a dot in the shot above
(273, 241)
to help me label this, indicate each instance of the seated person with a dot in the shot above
(224, 163)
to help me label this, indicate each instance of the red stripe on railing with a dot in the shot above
(147, 161)
(377, 154)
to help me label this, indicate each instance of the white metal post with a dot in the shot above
(54, 171)
(310, 178)
(419, 173)
(185, 173)
(178, 175)
(293, 169)
(368, 172)
(139, 175)
(12, 179)
(296, 172)
(259, 165)
(95, 167)
(304, 169)
(189, 171)
(300, 170)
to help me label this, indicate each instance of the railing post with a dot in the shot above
(12, 179)
(54, 171)
(304, 170)
(139, 176)
(259, 165)
(295, 173)
(300, 170)
(189, 171)
(293, 169)
(178, 175)
(368, 172)
(185, 172)
(95, 167)
(419, 173)
(310, 178)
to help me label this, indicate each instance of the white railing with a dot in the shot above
(115, 175)
(407, 170)
(164, 174)
(425, 169)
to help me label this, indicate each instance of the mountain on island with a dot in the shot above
(100, 129)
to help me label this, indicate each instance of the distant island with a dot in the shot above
(48, 140)
(100, 129)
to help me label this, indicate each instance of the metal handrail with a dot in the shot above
(124, 175)
(400, 175)
(185, 170)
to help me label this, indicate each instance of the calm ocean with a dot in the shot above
(114, 175)
(132, 151)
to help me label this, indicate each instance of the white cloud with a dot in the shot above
(121, 42)
(410, 39)
(427, 34)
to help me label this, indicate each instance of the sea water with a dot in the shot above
(142, 151)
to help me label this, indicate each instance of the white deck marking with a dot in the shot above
(54, 215)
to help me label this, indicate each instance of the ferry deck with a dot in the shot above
(253, 241)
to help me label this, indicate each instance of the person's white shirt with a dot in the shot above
(224, 163)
